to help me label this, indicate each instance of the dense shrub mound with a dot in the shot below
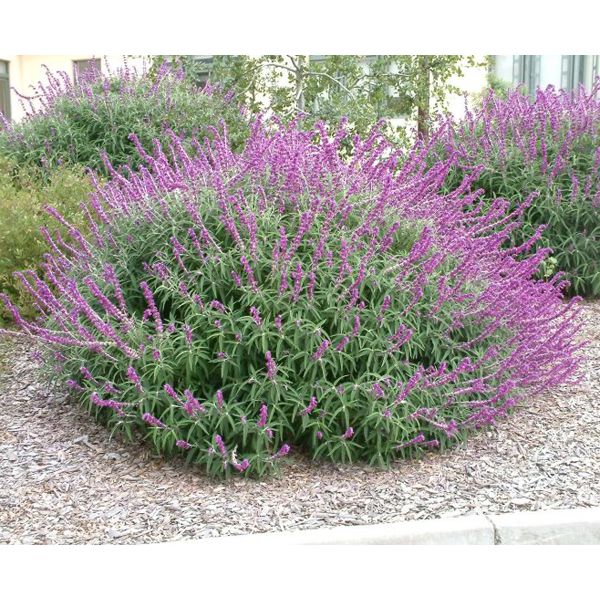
(23, 195)
(549, 145)
(74, 123)
(234, 306)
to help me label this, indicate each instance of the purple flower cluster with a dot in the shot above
(547, 145)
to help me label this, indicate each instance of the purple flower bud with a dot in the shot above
(86, 374)
(216, 305)
(377, 391)
(356, 328)
(198, 301)
(74, 385)
(348, 433)
(183, 444)
(255, 313)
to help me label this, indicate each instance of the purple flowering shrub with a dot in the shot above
(551, 146)
(77, 123)
(235, 306)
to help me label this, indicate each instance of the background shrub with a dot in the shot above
(551, 146)
(233, 305)
(73, 123)
(23, 195)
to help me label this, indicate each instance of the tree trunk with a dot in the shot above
(423, 95)
(300, 75)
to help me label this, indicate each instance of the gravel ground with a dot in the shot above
(64, 480)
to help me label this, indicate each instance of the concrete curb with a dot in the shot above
(573, 526)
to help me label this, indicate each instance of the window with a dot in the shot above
(81, 66)
(4, 90)
(573, 71)
(204, 67)
(199, 68)
(526, 71)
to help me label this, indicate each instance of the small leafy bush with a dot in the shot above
(235, 306)
(76, 123)
(23, 195)
(549, 146)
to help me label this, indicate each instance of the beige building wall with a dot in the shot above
(26, 70)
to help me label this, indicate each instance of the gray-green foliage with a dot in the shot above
(98, 114)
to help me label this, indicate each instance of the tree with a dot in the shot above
(363, 88)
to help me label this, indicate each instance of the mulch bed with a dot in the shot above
(64, 480)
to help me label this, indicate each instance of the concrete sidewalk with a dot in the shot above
(576, 526)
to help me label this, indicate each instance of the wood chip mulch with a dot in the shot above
(64, 480)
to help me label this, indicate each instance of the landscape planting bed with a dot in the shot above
(64, 480)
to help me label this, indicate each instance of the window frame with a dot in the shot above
(527, 71)
(5, 106)
(573, 74)
(77, 70)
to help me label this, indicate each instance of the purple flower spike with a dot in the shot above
(192, 406)
(170, 391)
(153, 421)
(283, 451)
(262, 421)
(321, 350)
(278, 323)
(342, 343)
(242, 466)
(134, 378)
(271, 366)
(220, 445)
(311, 406)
